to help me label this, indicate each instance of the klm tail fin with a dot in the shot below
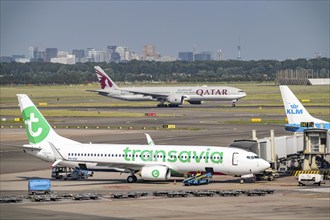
(37, 128)
(104, 79)
(295, 111)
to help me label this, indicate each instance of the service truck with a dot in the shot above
(310, 179)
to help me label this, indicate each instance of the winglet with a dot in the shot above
(149, 140)
(104, 79)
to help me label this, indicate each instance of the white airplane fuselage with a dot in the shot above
(202, 93)
(181, 159)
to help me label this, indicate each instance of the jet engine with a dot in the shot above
(175, 100)
(155, 173)
(195, 102)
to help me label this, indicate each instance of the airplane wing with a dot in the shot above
(157, 96)
(101, 92)
(121, 166)
(59, 158)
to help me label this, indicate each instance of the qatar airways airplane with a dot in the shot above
(174, 96)
(151, 162)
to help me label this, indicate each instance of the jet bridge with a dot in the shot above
(309, 150)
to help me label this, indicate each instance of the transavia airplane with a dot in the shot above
(151, 162)
(298, 117)
(175, 96)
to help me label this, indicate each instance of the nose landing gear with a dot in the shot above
(233, 103)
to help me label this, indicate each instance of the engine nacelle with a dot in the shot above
(155, 173)
(195, 102)
(176, 100)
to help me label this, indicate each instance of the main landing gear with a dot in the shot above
(131, 179)
(162, 105)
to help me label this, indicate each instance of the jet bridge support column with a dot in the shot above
(254, 137)
(272, 147)
(316, 143)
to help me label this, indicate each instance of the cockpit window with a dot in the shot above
(252, 157)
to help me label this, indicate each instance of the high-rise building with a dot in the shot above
(202, 56)
(50, 53)
(30, 53)
(186, 56)
(64, 58)
(79, 54)
(149, 53)
(219, 55)
(114, 56)
(38, 56)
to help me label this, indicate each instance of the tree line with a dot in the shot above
(142, 71)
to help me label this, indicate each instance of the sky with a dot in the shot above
(266, 29)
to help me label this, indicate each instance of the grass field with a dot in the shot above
(258, 95)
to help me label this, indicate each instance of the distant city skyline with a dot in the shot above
(265, 29)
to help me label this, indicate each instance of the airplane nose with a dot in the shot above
(264, 165)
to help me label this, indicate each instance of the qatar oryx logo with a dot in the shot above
(104, 81)
(36, 126)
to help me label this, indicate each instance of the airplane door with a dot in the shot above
(235, 158)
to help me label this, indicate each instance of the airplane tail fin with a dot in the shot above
(104, 79)
(37, 128)
(295, 111)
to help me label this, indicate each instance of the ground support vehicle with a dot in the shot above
(198, 179)
(66, 173)
(203, 193)
(177, 194)
(85, 196)
(310, 179)
(39, 186)
(267, 175)
(268, 191)
(10, 199)
(119, 196)
(255, 193)
(160, 193)
(229, 193)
